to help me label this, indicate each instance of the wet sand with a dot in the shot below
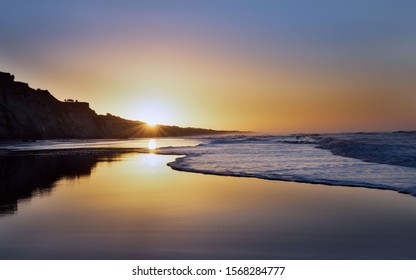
(133, 206)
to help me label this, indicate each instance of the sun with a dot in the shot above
(154, 113)
(153, 116)
(151, 123)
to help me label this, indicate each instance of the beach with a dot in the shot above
(133, 206)
(208, 139)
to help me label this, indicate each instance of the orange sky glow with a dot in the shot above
(253, 66)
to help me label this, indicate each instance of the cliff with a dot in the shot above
(26, 113)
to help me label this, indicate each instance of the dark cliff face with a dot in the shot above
(26, 113)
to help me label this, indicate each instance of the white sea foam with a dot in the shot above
(382, 160)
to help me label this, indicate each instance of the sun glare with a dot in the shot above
(151, 124)
(154, 112)
(151, 145)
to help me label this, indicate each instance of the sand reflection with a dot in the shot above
(132, 206)
(151, 145)
(26, 175)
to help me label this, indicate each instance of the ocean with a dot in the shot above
(373, 160)
(126, 199)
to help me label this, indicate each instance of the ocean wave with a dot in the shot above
(393, 148)
(236, 139)
(379, 161)
(180, 164)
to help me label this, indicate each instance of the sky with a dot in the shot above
(282, 66)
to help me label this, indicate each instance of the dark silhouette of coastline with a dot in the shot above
(24, 175)
(29, 114)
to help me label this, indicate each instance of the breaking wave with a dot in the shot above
(373, 160)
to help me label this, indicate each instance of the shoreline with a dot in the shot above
(112, 151)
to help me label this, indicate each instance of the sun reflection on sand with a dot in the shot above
(138, 208)
(152, 159)
(151, 145)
